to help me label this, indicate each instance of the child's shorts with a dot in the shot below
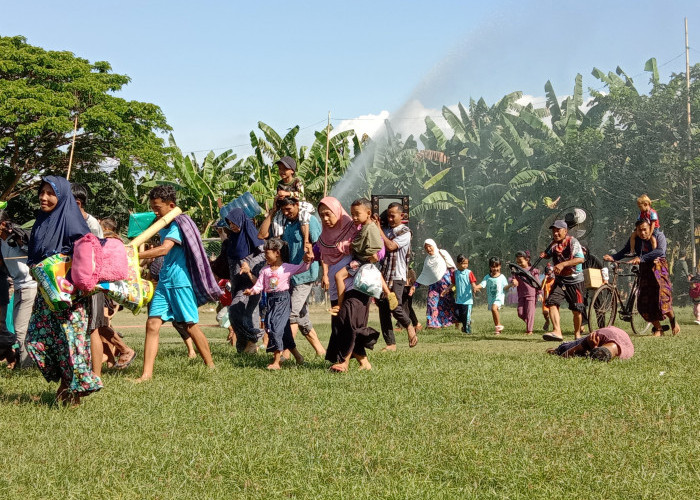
(174, 304)
(497, 302)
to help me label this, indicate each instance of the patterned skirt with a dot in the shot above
(655, 291)
(440, 310)
(60, 345)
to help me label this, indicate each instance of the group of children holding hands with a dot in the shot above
(496, 285)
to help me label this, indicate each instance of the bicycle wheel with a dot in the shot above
(640, 326)
(602, 309)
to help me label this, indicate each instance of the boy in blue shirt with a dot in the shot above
(464, 288)
(174, 298)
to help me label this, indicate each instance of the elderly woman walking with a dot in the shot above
(350, 335)
(655, 300)
(437, 275)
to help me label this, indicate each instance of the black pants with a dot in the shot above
(349, 331)
(407, 301)
(399, 313)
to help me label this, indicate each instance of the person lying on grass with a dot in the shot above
(274, 279)
(603, 344)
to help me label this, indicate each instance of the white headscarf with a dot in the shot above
(435, 266)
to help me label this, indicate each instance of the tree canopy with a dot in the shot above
(42, 94)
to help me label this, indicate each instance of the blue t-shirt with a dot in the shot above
(495, 288)
(174, 273)
(292, 235)
(463, 286)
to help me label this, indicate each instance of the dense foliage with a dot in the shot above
(482, 187)
(43, 93)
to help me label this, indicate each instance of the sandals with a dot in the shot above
(122, 365)
(552, 337)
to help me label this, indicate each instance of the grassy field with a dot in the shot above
(457, 417)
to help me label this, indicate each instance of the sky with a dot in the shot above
(216, 68)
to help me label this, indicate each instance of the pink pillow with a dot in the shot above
(115, 265)
(87, 261)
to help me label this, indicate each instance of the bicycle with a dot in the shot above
(603, 308)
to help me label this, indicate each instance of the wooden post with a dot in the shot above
(691, 200)
(72, 147)
(328, 141)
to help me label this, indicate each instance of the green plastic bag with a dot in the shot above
(139, 222)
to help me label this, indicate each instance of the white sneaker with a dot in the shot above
(697, 321)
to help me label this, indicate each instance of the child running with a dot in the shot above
(365, 246)
(178, 294)
(527, 294)
(465, 281)
(274, 280)
(496, 284)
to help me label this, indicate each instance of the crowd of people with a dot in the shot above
(357, 256)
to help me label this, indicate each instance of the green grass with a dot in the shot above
(457, 417)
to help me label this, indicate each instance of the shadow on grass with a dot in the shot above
(531, 339)
(44, 398)
(261, 360)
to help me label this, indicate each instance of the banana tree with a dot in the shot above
(200, 186)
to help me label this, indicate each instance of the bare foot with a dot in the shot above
(274, 366)
(658, 333)
(528, 333)
(676, 329)
(142, 378)
(363, 362)
(338, 368)
(391, 348)
(299, 359)
(419, 327)
(191, 354)
(412, 339)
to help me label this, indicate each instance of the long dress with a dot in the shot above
(59, 341)
(60, 345)
(440, 310)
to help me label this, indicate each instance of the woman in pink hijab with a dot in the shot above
(350, 335)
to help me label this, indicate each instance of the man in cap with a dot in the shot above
(567, 257)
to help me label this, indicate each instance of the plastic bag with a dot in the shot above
(368, 280)
(51, 274)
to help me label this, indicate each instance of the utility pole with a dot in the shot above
(328, 141)
(72, 147)
(690, 151)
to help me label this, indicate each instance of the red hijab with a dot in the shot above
(334, 242)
